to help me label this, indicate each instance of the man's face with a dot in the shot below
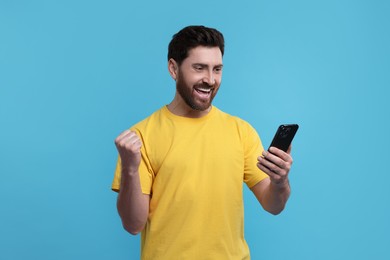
(199, 77)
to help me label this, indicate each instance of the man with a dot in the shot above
(180, 172)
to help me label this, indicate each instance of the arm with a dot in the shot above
(273, 192)
(132, 204)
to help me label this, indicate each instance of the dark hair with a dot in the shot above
(191, 37)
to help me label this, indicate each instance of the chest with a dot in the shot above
(198, 148)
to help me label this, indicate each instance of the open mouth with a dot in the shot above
(204, 92)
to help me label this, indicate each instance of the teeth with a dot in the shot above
(204, 89)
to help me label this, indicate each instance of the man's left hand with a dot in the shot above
(276, 164)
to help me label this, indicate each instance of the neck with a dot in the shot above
(182, 109)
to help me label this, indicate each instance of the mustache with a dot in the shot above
(205, 85)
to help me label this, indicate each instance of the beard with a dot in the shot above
(186, 92)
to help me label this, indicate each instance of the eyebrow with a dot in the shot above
(205, 65)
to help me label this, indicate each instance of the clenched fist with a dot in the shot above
(129, 145)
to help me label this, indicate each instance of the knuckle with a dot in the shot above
(285, 165)
(274, 168)
(281, 162)
(119, 144)
(288, 165)
(127, 146)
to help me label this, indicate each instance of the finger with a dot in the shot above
(126, 137)
(264, 168)
(275, 160)
(132, 142)
(277, 175)
(285, 157)
(133, 138)
(269, 172)
(138, 145)
(122, 135)
(130, 145)
(271, 166)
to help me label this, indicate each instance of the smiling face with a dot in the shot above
(197, 81)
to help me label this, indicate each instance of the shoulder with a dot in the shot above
(149, 121)
(232, 119)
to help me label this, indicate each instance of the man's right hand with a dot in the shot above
(129, 145)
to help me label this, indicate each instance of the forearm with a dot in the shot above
(273, 192)
(132, 204)
(275, 197)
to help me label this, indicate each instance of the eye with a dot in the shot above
(198, 68)
(218, 69)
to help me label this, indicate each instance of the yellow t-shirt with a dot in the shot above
(194, 170)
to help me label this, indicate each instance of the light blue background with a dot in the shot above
(74, 74)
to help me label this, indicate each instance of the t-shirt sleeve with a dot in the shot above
(252, 149)
(145, 172)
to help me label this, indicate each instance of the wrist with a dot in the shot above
(129, 172)
(283, 185)
(128, 179)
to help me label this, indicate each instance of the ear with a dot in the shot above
(173, 68)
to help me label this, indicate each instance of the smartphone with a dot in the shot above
(284, 136)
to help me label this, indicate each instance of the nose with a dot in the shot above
(209, 78)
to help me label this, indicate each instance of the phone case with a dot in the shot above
(284, 136)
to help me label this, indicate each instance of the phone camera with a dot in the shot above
(285, 131)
